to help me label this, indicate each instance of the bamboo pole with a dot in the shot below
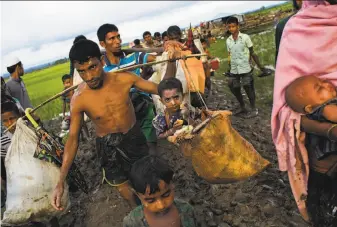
(116, 71)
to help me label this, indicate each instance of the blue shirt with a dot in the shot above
(127, 61)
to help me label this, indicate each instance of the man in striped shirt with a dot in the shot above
(115, 58)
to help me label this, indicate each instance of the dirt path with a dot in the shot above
(264, 200)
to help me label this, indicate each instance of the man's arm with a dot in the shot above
(317, 128)
(255, 58)
(71, 146)
(70, 151)
(145, 85)
(151, 58)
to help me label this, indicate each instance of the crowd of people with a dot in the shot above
(128, 122)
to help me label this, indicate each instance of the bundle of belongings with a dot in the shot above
(219, 154)
(33, 165)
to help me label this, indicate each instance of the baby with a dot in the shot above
(317, 99)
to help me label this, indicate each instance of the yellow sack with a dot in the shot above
(194, 73)
(219, 153)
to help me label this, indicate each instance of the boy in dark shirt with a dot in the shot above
(151, 180)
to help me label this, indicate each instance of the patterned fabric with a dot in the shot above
(136, 217)
(126, 61)
(159, 122)
(239, 53)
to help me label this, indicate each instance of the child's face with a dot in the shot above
(160, 202)
(172, 99)
(316, 91)
(204, 45)
(9, 118)
(233, 28)
(67, 83)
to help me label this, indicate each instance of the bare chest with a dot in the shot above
(107, 103)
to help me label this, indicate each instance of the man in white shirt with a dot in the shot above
(240, 51)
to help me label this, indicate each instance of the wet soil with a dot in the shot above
(262, 201)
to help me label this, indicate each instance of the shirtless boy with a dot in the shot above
(317, 99)
(104, 98)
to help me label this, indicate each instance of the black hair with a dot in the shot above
(148, 171)
(136, 42)
(174, 32)
(78, 38)
(65, 77)
(232, 20)
(12, 68)
(105, 29)
(169, 84)
(10, 106)
(156, 34)
(146, 33)
(202, 40)
(83, 50)
(163, 34)
(2, 80)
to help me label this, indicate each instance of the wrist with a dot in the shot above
(331, 133)
(60, 183)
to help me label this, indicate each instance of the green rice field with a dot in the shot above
(45, 83)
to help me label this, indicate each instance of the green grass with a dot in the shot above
(283, 7)
(264, 46)
(43, 84)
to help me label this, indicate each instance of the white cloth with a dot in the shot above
(77, 80)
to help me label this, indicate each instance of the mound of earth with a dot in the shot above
(262, 201)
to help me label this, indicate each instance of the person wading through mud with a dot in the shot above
(120, 141)
(114, 58)
(240, 73)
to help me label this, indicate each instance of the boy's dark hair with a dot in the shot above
(78, 38)
(174, 32)
(164, 34)
(202, 40)
(10, 107)
(105, 29)
(148, 171)
(169, 84)
(65, 77)
(146, 33)
(136, 42)
(232, 20)
(156, 34)
(12, 68)
(83, 50)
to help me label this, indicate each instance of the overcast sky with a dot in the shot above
(40, 32)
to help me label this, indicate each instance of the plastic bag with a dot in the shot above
(220, 154)
(30, 181)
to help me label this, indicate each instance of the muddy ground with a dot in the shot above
(264, 200)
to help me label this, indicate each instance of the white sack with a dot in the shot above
(30, 181)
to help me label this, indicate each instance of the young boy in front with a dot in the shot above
(240, 51)
(176, 113)
(151, 180)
